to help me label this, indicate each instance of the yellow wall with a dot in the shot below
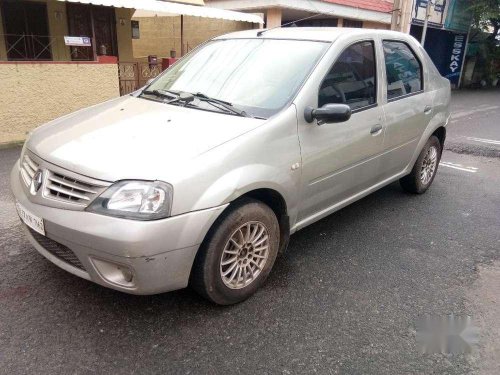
(161, 34)
(368, 24)
(376, 25)
(33, 94)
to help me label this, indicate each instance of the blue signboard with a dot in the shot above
(446, 49)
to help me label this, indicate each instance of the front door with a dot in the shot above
(105, 30)
(80, 24)
(340, 160)
(95, 22)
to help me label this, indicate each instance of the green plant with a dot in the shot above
(485, 32)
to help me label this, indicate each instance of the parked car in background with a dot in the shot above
(201, 177)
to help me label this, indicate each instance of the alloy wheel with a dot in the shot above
(245, 255)
(429, 165)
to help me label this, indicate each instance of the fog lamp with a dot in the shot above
(114, 273)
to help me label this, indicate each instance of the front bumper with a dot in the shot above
(157, 255)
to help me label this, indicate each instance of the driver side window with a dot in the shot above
(353, 78)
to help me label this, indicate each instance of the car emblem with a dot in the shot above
(36, 182)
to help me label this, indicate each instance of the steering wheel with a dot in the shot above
(338, 91)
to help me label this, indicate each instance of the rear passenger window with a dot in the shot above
(352, 79)
(404, 71)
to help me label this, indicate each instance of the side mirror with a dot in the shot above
(329, 113)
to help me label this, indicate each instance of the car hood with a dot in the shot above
(133, 138)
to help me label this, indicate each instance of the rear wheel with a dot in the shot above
(238, 254)
(425, 168)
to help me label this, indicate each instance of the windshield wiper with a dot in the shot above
(161, 93)
(187, 98)
(221, 103)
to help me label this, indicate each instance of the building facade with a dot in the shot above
(334, 13)
(447, 33)
(161, 36)
(59, 56)
(41, 76)
(35, 31)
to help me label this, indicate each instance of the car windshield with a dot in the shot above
(258, 76)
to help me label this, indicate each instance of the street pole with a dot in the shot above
(464, 58)
(426, 21)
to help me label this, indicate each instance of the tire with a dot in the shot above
(425, 168)
(227, 245)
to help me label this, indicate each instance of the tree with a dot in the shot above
(486, 16)
(485, 32)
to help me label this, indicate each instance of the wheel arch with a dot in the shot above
(274, 200)
(268, 196)
(440, 133)
(271, 198)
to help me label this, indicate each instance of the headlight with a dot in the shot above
(138, 200)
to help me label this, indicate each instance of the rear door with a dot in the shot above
(342, 159)
(408, 106)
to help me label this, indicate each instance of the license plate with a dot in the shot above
(31, 220)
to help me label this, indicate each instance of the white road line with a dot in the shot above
(490, 141)
(460, 114)
(458, 166)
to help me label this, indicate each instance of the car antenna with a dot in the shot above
(288, 23)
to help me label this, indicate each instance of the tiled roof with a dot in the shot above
(376, 5)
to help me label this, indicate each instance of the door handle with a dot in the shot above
(376, 129)
(427, 109)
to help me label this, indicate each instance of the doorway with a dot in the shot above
(96, 22)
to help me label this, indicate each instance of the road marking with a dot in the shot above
(490, 141)
(460, 167)
(460, 114)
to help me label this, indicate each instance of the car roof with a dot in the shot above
(325, 34)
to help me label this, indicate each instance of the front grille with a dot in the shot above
(58, 184)
(28, 169)
(68, 189)
(58, 250)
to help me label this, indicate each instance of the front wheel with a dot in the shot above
(425, 168)
(238, 254)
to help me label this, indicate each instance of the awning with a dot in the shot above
(153, 8)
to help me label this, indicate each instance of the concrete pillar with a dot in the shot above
(405, 16)
(58, 28)
(396, 12)
(340, 22)
(123, 34)
(273, 18)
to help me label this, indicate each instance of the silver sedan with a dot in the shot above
(201, 177)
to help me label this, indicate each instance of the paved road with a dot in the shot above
(344, 299)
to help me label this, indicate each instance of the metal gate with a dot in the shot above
(133, 75)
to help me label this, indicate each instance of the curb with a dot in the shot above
(11, 144)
